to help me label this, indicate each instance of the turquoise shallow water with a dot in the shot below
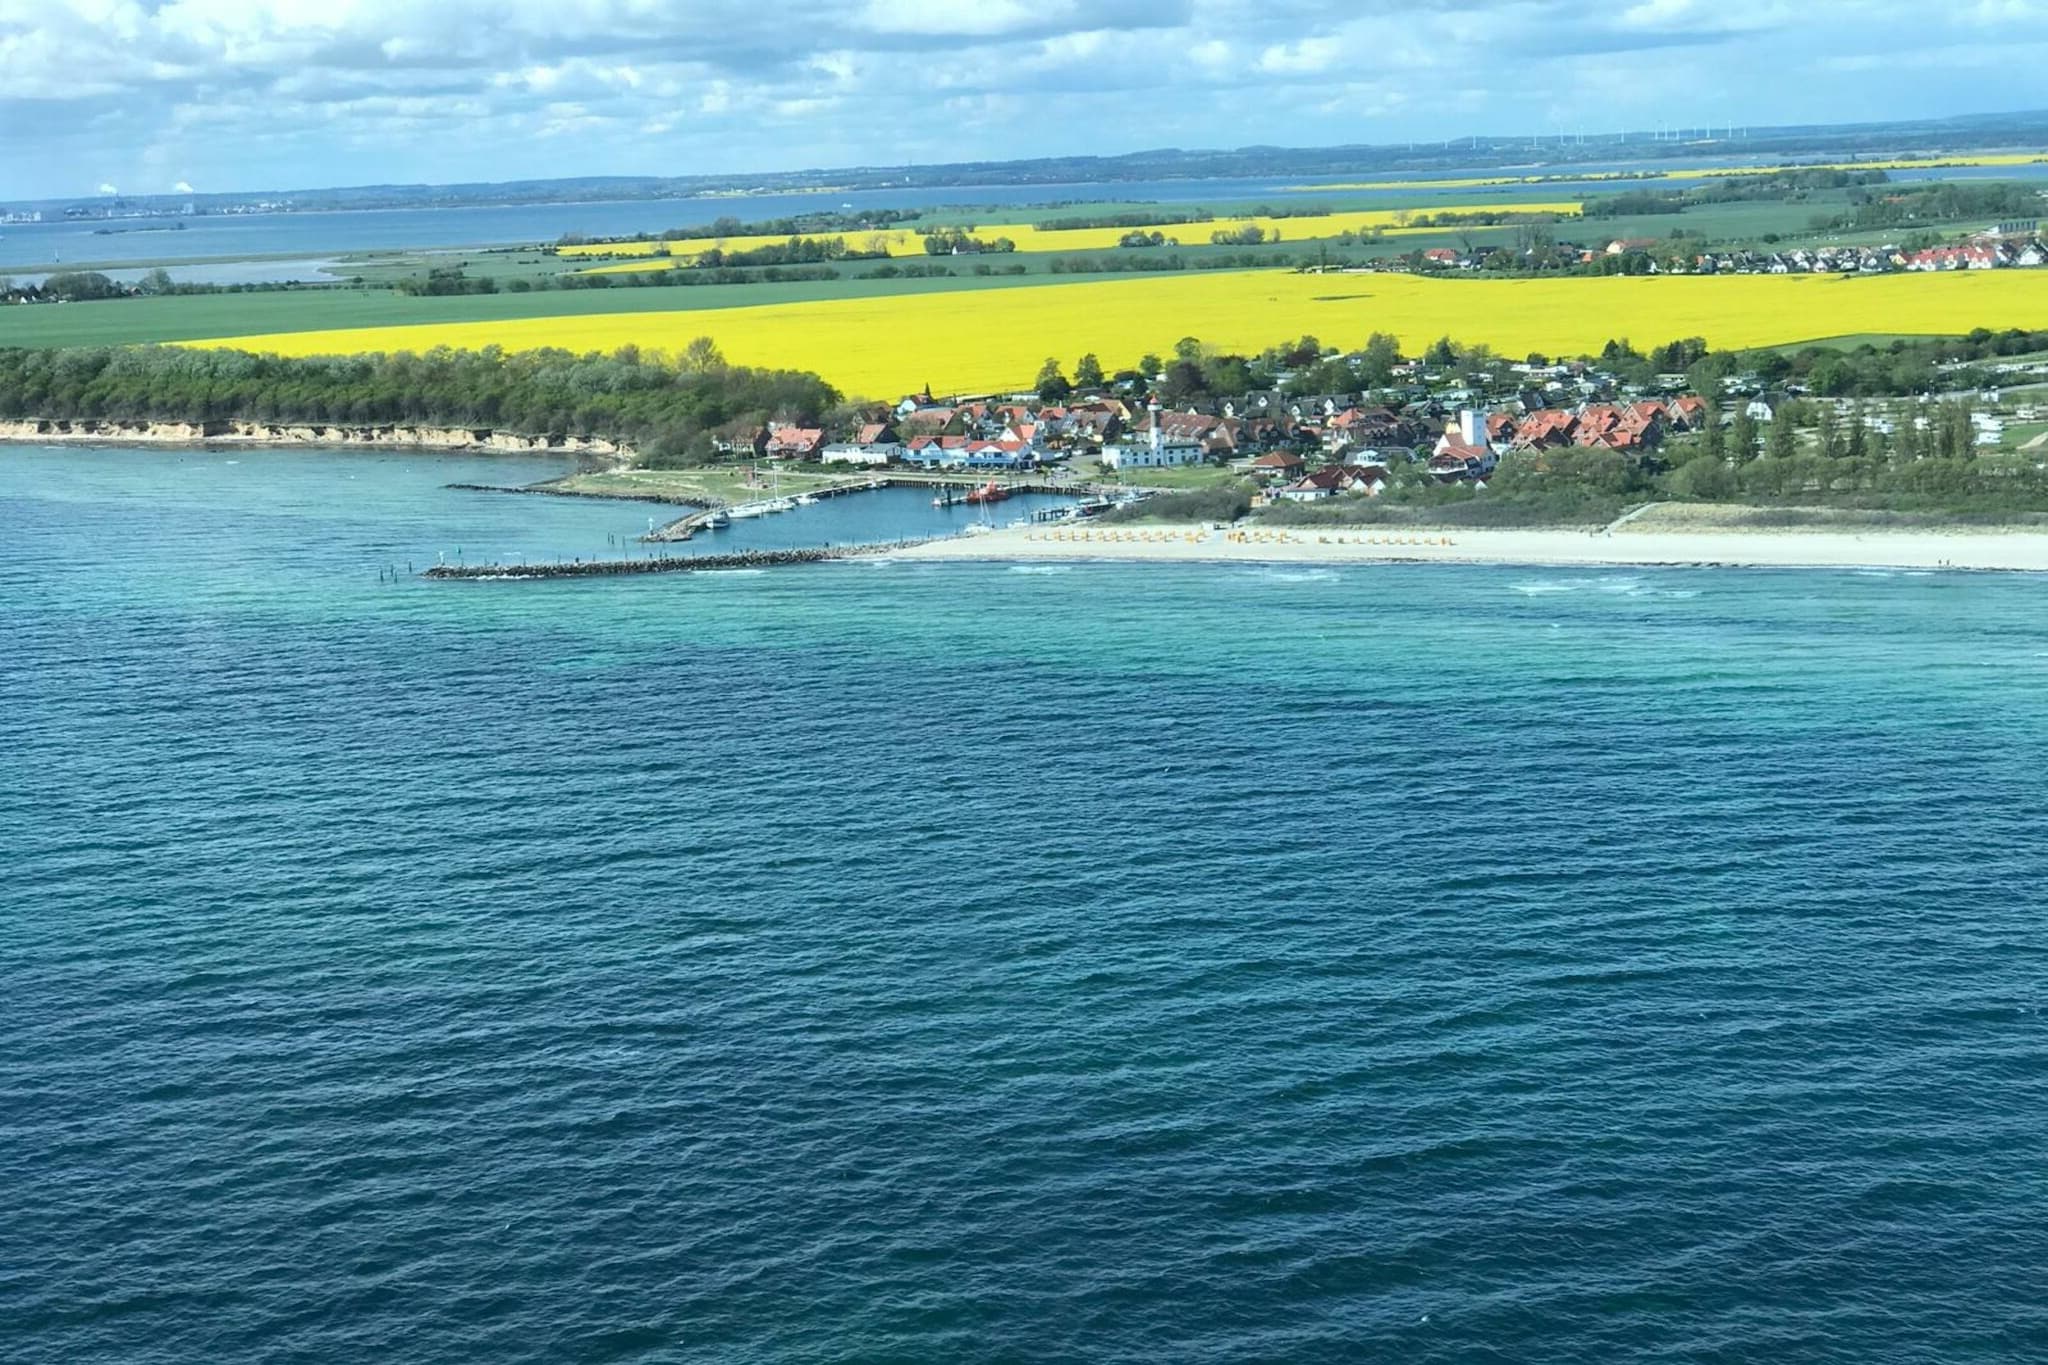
(968, 962)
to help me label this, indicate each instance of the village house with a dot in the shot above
(1262, 403)
(1318, 408)
(1216, 435)
(1097, 424)
(1461, 463)
(1363, 480)
(748, 441)
(787, 442)
(1549, 427)
(1634, 427)
(849, 452)
(1156, 451)
(967, 452)
(1278, 465)
(1314, 487)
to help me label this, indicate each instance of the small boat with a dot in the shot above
(782, 505)
(989, 492)
(717, 521)
(806, 500)
(748, 509)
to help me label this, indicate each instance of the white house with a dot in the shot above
(845, 452)
(1158, 452)
(1155, 454)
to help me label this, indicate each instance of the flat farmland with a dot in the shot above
(967, 340)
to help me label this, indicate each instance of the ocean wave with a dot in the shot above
(1290, 575)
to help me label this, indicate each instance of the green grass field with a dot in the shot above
(1181, 479)
(117, 322)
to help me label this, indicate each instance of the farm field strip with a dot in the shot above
(904, 242)
(1651, 174)
(1911, 163)
(1476, 182)
(974, 340)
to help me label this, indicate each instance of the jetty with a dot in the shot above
(951, 487)
(606, 568)
(687, 525)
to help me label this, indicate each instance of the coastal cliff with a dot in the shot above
(126, 431)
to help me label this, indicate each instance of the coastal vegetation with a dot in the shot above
(1224, 502)
(667, 406)
(1729, 190)
(1947, 480)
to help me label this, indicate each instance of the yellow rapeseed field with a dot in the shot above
(900, 242)
(978, 340)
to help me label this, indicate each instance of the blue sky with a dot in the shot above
(151, 96)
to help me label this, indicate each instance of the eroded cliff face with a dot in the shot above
(302, 433)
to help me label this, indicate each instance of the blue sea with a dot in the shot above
(883, 961)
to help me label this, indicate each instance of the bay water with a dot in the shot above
(885, 961)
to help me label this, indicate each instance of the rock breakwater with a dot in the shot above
(603, 568)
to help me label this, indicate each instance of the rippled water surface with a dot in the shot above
(878, 961)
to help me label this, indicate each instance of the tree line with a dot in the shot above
(1733, 189)
(1943, 202)
(87, 286)
(666, 405)
(795, 225)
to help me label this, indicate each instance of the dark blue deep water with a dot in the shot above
(892, 962)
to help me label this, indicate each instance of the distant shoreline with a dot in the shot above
(1958, 548)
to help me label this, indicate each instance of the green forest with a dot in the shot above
(667, 409)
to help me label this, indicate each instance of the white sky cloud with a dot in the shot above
(256, 94)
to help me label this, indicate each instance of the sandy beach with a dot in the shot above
(2019, 551)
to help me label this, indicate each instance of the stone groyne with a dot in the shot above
(603, 568)
(126, 431)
